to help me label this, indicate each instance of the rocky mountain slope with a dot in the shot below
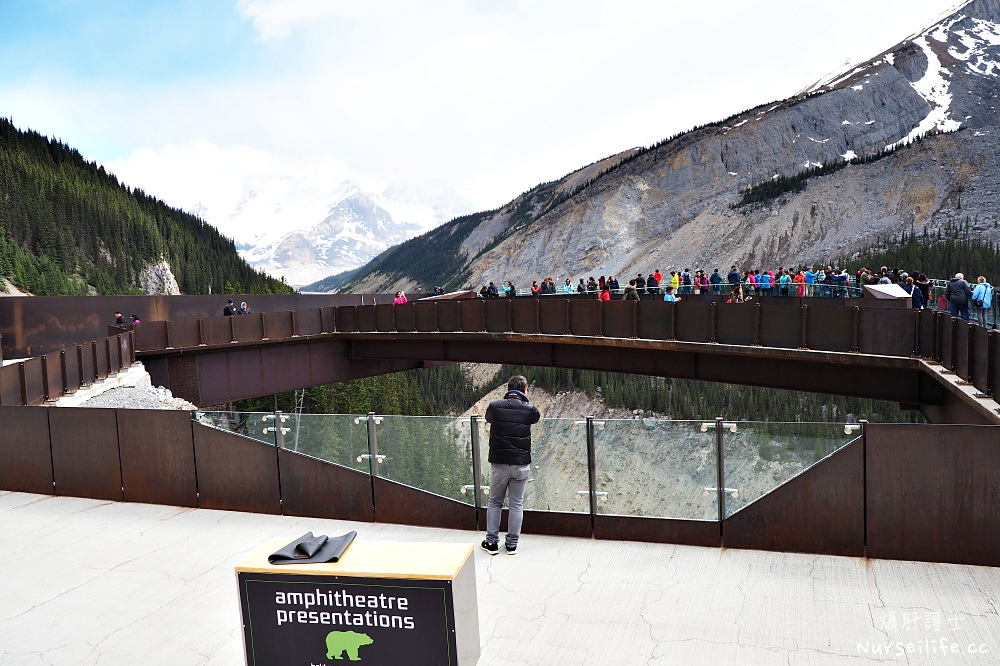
(926, 108)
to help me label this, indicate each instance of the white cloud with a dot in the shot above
(483, 98)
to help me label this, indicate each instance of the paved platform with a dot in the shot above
(91, 582)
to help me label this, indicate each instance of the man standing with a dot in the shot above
(958, 292)
(510, 420)
(230, 309)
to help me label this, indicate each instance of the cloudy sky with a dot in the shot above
(476, 100)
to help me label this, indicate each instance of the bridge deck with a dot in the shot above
(140, 583)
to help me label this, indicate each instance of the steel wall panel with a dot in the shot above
(963, 331)
(736, 322)
(472, 315)
(398, 503)
(947, 330)
(218, 330)
(425, 316)
(525, 315)
(248, 328)
(980, 361)
(89, 370)
(72, 369)
(215, 384)
(658, 530)
(114, 348)
(235, 473)
(85, 460)
(183, 333)
(886, 332)
(498, 313)
(830, 328)
(447, 316)
(25, 453)
(329, 320)
(151, 335)
(822, 510)
(34, 389)
(347, 318)
(319, 489)
(694, 321)
(278, 325)
(385, 318)
(994, 365)
(620, 317)
(933, 493)
(245, 372)
(54, 375)
(157, 457)
(309, 321)
(656, 319)
(780, 324)
(183, 378)
(553, 316)
(585, 317)
(927, 324)
(406, 318)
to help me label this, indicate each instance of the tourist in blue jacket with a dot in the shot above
(982, 300)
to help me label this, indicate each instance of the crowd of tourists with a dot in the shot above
(960, 298)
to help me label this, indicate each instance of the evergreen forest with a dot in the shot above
(445, 391)
(68, 227)
(954, 247)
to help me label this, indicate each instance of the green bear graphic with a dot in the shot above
(339, 642)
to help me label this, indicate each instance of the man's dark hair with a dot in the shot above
(517, 383)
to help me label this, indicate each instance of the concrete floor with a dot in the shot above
(92, 582)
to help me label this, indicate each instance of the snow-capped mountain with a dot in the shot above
(304, 232)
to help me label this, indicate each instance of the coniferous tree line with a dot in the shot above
(68, 227)
(956, 246)
(446, 391)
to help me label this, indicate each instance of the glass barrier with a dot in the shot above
(559, 479)
(655, 468)
(256, 425)
(337, 438)
(432, 453)
(758, 456)
(643, 467)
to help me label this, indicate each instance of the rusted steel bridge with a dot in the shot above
(911, 492)
(924, 360)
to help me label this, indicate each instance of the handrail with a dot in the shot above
(44, 379)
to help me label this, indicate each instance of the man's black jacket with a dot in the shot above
(510, 434)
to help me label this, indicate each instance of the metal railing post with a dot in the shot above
(720, 472)
(592, 472)
(373, 443)
(477, 471)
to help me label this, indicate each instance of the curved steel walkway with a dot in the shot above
(922, 359)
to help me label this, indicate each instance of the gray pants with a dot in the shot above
(507, 480)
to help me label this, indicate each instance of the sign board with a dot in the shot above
(333, 613)
(313, 620)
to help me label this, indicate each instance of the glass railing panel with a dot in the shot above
(559, 479)
(655, 468)
(257, 425)
(432, 453)
(337, 438)
(758, 456)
